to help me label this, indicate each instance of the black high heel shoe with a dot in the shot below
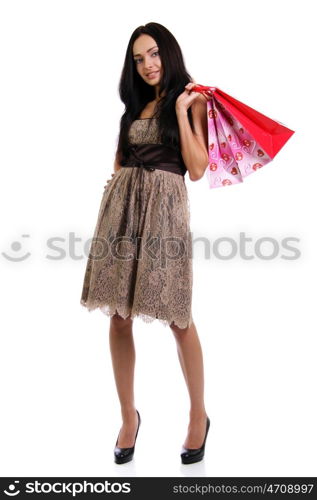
(192, 455)
(123, 455)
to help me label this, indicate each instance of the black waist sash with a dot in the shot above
(155, 156)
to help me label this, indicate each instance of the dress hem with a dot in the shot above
(110, 311)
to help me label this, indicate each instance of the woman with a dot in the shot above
(163, 134)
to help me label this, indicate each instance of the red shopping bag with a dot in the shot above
(241, 140)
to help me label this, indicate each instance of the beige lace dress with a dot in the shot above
(140, 259)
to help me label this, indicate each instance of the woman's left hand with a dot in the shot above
(186, 98)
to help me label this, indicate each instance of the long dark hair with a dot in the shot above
(135, 93)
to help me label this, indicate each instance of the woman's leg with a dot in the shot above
(191, 359)
(123, 362)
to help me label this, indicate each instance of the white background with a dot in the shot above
(60, 110)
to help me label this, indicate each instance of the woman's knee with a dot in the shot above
(177, 331)
(121, 324)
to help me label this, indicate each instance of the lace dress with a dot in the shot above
(140, 259)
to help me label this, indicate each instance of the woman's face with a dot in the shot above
(147, 59)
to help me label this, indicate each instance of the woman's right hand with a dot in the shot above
(108, 181)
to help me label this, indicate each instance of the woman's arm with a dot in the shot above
(194, 146)
(116, 167)
(117, 160)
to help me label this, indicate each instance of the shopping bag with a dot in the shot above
(240, 139)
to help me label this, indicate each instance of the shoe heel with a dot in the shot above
(124, 455)
(192, 455)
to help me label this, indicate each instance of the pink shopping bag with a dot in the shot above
(241, 140)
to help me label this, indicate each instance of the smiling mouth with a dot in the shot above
(152, 74)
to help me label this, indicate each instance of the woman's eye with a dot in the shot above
(137, 60)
